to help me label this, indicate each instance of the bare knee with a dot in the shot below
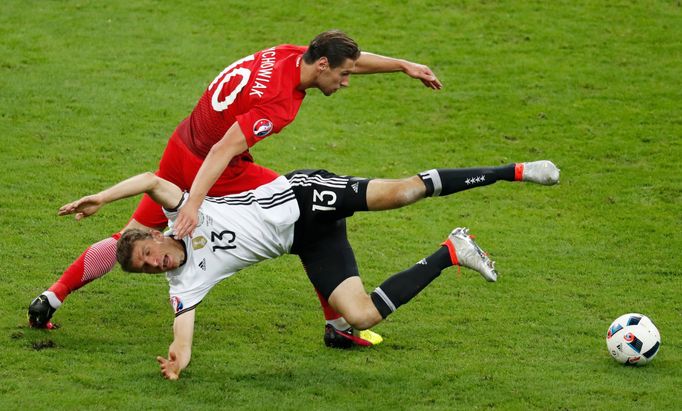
(351, 301)
(362, 315)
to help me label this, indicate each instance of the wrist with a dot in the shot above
(405, 65)
(193, 202)
(101, 198)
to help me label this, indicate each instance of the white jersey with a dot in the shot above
(233, 232)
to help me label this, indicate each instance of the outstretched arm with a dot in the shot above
(370, 63)
(180, 351)
(220, 155)
(162, 191)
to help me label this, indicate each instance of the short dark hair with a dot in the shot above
(335, 45)
(126, 244)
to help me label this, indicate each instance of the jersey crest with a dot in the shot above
(199, 242)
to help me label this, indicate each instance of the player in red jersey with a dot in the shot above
(251, 99)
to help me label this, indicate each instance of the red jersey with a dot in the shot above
(258, 92)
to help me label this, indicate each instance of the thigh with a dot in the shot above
(241, 176)
(328, 257)
(180, 166)
(383, 194)
(327, 196)
(348, 295)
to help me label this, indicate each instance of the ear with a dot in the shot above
(156, 235)
(322, 64)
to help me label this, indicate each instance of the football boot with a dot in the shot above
(541, 172)
(350, 337)
(40, 312)
(466, 253)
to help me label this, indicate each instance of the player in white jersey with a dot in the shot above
(301, 214)
(233, 233)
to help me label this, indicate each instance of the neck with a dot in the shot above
(308, 76)
(180, 245)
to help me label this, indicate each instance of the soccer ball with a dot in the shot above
(633, 339)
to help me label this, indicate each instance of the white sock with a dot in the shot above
(340, 323)
(52, 299)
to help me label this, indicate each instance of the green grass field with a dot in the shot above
(90, 91)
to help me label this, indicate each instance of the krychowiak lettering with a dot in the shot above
(264, 73)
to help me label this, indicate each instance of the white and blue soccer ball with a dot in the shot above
(633, 339)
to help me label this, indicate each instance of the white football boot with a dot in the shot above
(541, 172)
(469, 254)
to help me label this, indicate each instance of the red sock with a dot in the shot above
(329, 313)
(96, 260)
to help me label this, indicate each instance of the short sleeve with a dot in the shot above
(172, 214)
(261, 122)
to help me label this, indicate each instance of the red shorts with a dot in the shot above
(179, 166)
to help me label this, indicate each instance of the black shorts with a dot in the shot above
(325, 200)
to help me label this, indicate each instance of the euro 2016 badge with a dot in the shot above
(262, 127)
(177, 304)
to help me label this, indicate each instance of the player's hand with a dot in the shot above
(82, 208)
(170, 369)
(186, 221)
(423, 73)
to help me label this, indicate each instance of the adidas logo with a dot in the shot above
(202, 264)
(355, 186)
(422, 261)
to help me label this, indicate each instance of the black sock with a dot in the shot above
(400, 288)
(445, 181)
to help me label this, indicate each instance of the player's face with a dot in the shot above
(332, 79)
(157, 255)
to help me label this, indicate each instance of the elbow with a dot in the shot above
(149, 175)
(223, 150)
(152, 181)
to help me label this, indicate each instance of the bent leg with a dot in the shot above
(350, 299)
(328, 259)
(363, 311)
